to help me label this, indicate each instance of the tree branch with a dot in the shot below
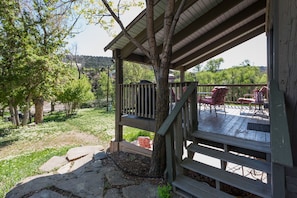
(133, 40)
(167, 43)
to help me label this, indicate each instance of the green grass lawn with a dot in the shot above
(14, 170)
(24, 149)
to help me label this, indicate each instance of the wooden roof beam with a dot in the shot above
(256, 7)
(223, 40)
(224, 48)
(142, 36)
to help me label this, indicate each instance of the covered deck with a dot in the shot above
(239, 122)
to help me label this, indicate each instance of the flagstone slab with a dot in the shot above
(116, 178)
(53, 163)
(81, 162)
(151, 191)
(47, 194)
(78, 152)
(65, 169)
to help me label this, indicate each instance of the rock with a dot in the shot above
(115, 178)
(78, 152)
(99, 156)
(81, 162)
(47, 194)
(113, 193)
(53, 163)
(151, 191)
(65, 169)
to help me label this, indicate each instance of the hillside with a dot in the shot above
(90, 61)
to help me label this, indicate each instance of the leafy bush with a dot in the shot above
(132, 134)
(164, 191)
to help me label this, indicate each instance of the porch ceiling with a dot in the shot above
(205, 29)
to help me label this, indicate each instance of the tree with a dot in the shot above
(32, 36)
(134, 72)
(213, 65)
(75, 92)
(50, 25)
(246, 62)
(13, 53)
(106, 87)
(160, 62)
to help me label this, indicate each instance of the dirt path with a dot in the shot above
(51, 141)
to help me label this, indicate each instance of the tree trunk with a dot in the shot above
(38, 102)
(53, 106)
(16, 115)
(26, 111)
(161, 64)
(158, 163)
(12, 114)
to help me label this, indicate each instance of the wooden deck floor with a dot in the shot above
(234, 123)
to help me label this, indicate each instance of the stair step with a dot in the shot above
(229, 157)
(198, 189)
(238, 181)
(233, 141)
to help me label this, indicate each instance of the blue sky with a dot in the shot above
(92, 39)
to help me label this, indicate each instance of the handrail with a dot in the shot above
(181, 121)
(280, 138)
(169, 120)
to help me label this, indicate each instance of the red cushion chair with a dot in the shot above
(217, 98)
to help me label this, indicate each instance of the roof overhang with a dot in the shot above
(205, 29)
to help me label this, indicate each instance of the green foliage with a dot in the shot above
(91, 61)
(213, 65)
(106, 86)
(131, 134)
(15, 169)
(95, 12)
(164, 191)
(134, 72)
(234, 75)
(32, 40)
(75, 92)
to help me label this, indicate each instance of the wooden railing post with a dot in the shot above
(170, 162)
(119, 81)
(171, 130)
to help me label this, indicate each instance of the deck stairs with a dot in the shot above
(255, 156)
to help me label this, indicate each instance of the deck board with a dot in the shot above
(234, 123)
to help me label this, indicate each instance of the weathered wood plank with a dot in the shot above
(233, 141)
(244, 183)
(229, 157)
(198, 189)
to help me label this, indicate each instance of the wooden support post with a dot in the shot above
(278, 181)
(119, 80)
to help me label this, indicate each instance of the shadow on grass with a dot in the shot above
(59, 116)
(8, 142)
(5, 131)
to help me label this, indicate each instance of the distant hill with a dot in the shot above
(90, 61)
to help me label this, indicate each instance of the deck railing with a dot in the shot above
(235, 91)
(139, 99)
(177, 128)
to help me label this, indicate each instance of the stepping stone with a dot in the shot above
(78, 152)
(151, 191)
(53, 163)
(99, 156)
(47, 194)
(113, 193)
(116, 178)
(81, 162)
(65, 169)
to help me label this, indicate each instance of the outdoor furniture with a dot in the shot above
(217, 98)
(257, 99)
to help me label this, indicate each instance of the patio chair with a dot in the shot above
(217, 99)
(258, 98)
